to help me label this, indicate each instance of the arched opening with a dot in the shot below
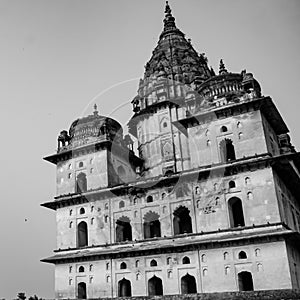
(188, 284)
(231, 184)
(123, 265)
(80, 165)
(82, 211)
(245, 281)
(153, 263)
(81, 183)
(182, 221)
(186, 260)
(151, 225)
(149, 199)
(121, 204)
(155, 287)
(223, 129)
(227, 150)
(81, 290)
(124, 288)
(236, 215)
(82, 234)
(81, 269)
(242, 255)
(123, 230)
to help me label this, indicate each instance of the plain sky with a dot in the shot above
(59, 57)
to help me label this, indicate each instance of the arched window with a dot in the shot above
(259, 267)
(71, 212)
(106, 206)
(137, 263)
(82, 211)
(124, 288)
(81, 269)
(182, 221)
(188, 284)
(71, 224)
(149, 199)
(169, 260)
(197, 190)
(227, 270)
(91, 268)
(170, 274)
(151, 225)
(247, 181)
(245, 281)
(123, 230)
(165, 125)
(203, 258)
(186, 260)
(257, 252)
(153, 263)
(249, 196)
(225, 255)
(82, 234)
(123, 265)
(80, 165)
(155, 286)
(223, 129)
(81, 183)
(242, 255)
(138, 276)
(236, 215)
(227, 150)
(121, 204)
(205, 272)
(70, 269)
(107, 266)
(231, 184)
(81, 290)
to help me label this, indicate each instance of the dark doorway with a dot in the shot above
(227, 150)
(182, 221)
(236, 214)
(245, 281)
(155, 287)
(188, 284)
(81, 290)
(82, 234)
(123, 230)
(81, 183)
(151, 225)
(124, 288)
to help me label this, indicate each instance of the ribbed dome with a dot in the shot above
(90, 129)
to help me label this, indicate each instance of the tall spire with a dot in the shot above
(169, 20)
(222, 69)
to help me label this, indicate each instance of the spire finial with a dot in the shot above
(168, 10)
(169, 21)
(222, 69)
(95, 110)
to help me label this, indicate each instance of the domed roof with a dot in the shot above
(90, 129)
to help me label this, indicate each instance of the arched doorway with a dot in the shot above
(81, 290)
(123, 230)
(236, 215)
(82, 234)
(188, 284)
(245, 281)
(155, 286)
(124, 288)
(81, 183)
(227, 151)
(182, 221)
(151, 225)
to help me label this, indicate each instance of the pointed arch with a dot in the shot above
(81, 183)
(155, 286)
(188, 284)
(227, 151)
(182, 221)
(124, 288)
(123, 230)
(236, 214)
(82, 234)
(245, 281)
(81, 290)
(151, 225)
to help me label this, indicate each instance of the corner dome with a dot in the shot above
(90, 129)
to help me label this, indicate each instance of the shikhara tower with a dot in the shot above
(209, 204)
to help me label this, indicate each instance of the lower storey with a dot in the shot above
(261, 266)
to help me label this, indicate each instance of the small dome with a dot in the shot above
(91, 129)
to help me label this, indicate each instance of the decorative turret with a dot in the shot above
(222, 69)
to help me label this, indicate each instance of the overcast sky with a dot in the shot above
(56, 59)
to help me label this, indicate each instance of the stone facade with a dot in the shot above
(209, 204)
